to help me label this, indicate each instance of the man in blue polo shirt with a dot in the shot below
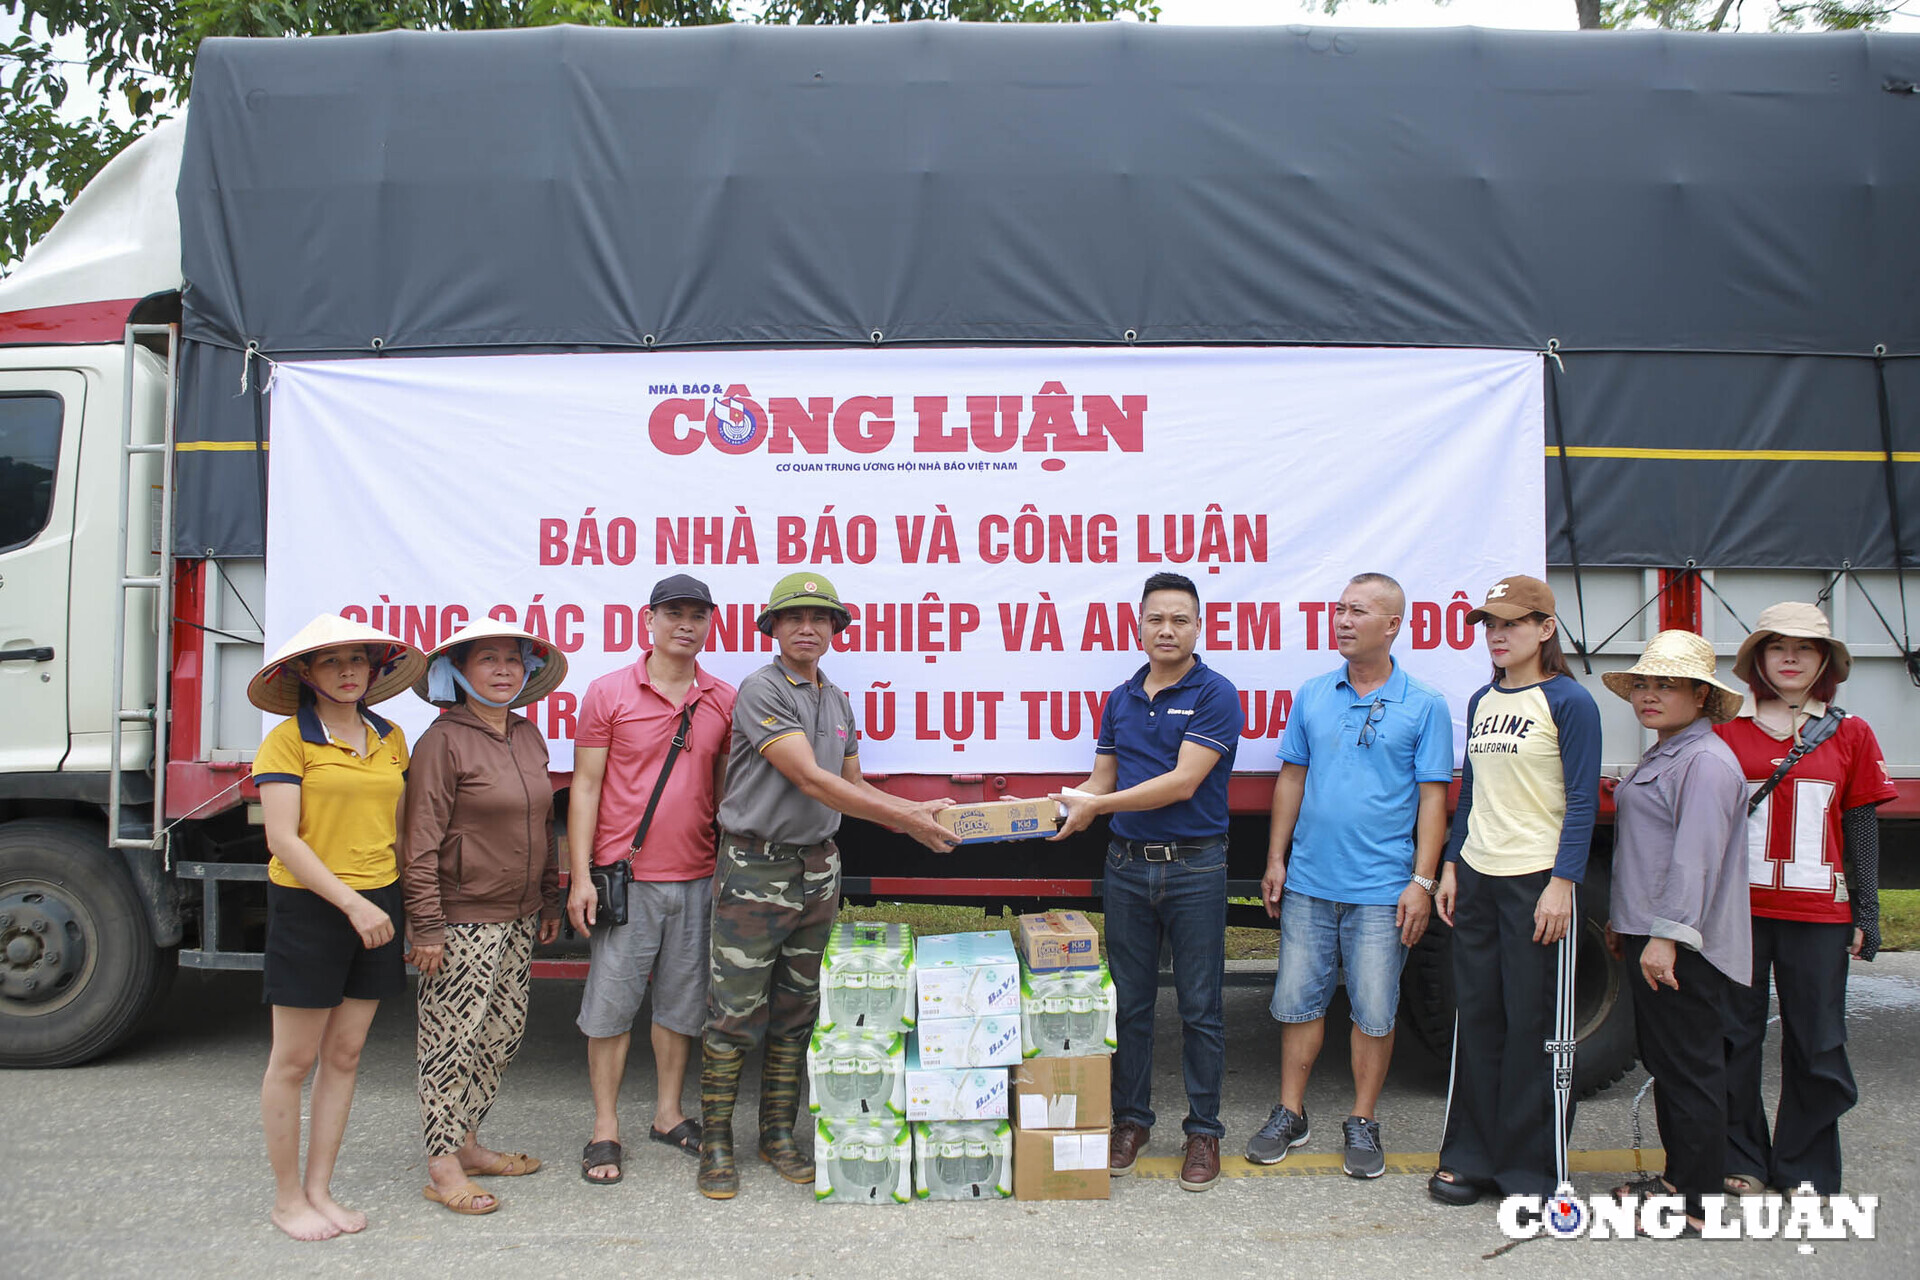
(1361, 803)
(1167, 740)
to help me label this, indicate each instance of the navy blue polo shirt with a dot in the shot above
(1144, 737)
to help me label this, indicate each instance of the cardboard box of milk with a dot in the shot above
(967, 975)
(992, 1041)
(994, 820)
(963, 1093)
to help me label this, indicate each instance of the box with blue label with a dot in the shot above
(1067, 1013)
(866, 977)
(1058, 940)
(862, 1161)
(967, 975)
(857, 1074)
(963, 1160)
(993, 820)
(992, 1041)
(954, 1093)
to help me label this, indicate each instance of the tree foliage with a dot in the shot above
(1712, 15)
(139, 59)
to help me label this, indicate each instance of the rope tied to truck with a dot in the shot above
(1555, 369)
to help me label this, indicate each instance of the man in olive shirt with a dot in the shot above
(793, 770)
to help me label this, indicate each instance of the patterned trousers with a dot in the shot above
(772, 914)
(473, 1012)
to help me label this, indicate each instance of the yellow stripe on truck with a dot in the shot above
(1733, 455)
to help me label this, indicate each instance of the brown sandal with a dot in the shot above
(513, 1164)
(461, 1201)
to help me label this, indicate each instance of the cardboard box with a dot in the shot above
(866, 977)
(1061, 1164)
(993, 1041)
(1063, 1093)
(970, 1093)
(967, 975)
(1057, 940)
(1068, 1013)
(862, 1161)
(857, 1075)
(1000, 820)
(965, 1160)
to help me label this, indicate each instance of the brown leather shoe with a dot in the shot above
(1201, 1168)
(1124, 1147)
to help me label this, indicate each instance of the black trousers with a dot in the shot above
(1808, 964)
(1688, 1066)
(1507, 1122)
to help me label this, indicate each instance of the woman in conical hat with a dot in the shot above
(1814, 895)
(330, 779)
(481, 872)
(1679, 910)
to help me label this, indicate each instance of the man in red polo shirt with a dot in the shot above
(627, 722)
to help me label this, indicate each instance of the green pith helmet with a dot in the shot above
(805, 590)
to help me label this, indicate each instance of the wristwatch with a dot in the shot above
(1424, 883)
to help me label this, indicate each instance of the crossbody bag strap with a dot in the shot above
(674, 749)
(1812, 736)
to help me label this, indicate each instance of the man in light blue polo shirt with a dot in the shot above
(1359, 824)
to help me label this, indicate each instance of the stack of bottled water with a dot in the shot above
(867, 977)
(1067, 1013)
(862, 1162)
(857, 1075)
(963, 1160)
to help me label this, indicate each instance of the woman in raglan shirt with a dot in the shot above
(1528, 794)
(1813, 871)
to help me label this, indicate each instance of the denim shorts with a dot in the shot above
(1319, 939)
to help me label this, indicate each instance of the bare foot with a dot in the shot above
(347, 1221)
(304, 1222)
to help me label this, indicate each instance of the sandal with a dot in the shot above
(685, 1135)
(1449, 1186)
(600, 1153)
(462, 1201)
(1649, 1184)
(513, 1164)
(1744, 1184)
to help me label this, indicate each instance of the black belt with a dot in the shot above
(774, 848)
(1167, 851)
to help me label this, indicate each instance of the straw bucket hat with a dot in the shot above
(552, 663)
(1800, 622)
(1679, 655)
(275, 688)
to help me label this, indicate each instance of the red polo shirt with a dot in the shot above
(624, 713)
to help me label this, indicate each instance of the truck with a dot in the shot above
(1672, 269)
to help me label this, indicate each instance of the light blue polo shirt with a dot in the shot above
(1354, 840)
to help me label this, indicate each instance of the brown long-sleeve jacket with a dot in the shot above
(477, 844)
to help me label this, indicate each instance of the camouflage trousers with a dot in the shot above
(772, 913)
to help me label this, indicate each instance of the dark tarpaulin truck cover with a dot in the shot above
(1717, 233)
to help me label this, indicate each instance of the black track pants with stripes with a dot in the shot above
(1509, 1097)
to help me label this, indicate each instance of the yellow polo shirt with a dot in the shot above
(347, 801)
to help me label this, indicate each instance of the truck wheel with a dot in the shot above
(1603, 999)
(78, 967)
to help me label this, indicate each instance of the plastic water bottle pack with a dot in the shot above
(962, 1160)
(863, 1163)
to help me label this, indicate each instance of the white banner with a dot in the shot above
(988, 514)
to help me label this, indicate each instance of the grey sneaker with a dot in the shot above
(1283, 1131)
(1361, 1153)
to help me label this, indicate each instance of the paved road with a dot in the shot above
(150, 1163)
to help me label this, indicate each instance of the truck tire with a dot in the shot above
(1603, 993)
(78, 967)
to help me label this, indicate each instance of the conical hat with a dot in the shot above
(1679, 655)
(276, 687)
(539, 684)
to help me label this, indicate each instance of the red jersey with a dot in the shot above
(1793, 839)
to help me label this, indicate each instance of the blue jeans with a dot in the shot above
(1318, 941)
(1183, 902)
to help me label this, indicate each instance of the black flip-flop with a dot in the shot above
(685, 1135)
(600, 1153)
(1449, 1186)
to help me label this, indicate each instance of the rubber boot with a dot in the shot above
(719, 1083)
(780, 1108)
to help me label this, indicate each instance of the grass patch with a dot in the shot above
(936, 917)
(1900, 919)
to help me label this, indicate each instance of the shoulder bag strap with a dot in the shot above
(674, 749)
(1810, 737)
